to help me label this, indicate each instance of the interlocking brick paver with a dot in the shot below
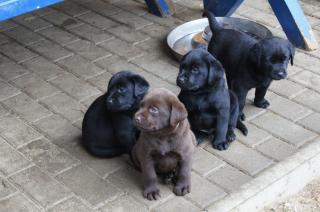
(310, 99)
(156, 31)
(101, 81)
(306, 62)
(204, 162)
(3, 111)
(41, 187)
(101, 7)
(283, 128)
(122, 48)
(97, 20)
(202, 186)
(177, 204)
(229, 178)
(7, 91)
(128, 34)
(48, 156)
(61, 19)
(132, 20)
(58, 129)
(3, 39)
(288, 108)
(32, 22)
(23, 35)
(254, 137)
(58, 35)
(244, 158)
(287, 88)
(168, 22)
(65, 106)
(26, 107)
(43, 68)
(308, 79)
(34, 86)
(88, 50)
(276, 149)
(16, 52)
(93, 189)
(74, 86)
(80, 66)
(311, 122)
(91, 33)
(18, 203)
(6, 189)
(71, 205)
(16, 132)
(124, 203)
(114, 64)
(50, 50)
(10, 70)
(130, 182)
(71, 8)
(137, 8)
(10, 161)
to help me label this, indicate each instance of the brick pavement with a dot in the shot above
(56, 61)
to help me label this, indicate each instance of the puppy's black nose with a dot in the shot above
(182, 79)
(282, 74)
(110, 100)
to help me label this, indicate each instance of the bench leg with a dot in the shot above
(162, 8)
(222, 7)
(294, 23)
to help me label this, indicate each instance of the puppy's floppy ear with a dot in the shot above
(215, 69)
(292, 51)
(141, 85)
(178, 112)
(255, 54)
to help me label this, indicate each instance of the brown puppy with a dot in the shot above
(166, 142)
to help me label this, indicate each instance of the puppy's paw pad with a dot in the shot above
(262, 104)
(221, 146)
(181, 190)
(151, 194)
(231, 136)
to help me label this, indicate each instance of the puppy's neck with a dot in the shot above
(168, 131)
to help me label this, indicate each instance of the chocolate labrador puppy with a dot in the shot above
(249, 63)
(107, 128)
(212, 108)
(166, 142)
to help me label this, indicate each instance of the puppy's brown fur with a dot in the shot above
(166, 142)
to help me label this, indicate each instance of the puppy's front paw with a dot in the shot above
(262, 104)
(182, 189)
(231, 136)
(221, 145)
(152, 193)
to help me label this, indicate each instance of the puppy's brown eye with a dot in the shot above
(195, 69)
(153, 110)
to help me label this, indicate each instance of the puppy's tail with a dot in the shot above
(213, 23)
(242, 127)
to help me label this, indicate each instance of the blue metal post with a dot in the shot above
(294, 23)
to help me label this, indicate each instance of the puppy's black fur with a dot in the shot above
(107, 128)
(249, 63)
(211, 106)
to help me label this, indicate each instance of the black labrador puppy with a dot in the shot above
(249, 63)
(212, 108)
(107, 128)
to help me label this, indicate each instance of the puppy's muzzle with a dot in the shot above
(280, 75)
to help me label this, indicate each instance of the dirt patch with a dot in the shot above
(308, 200)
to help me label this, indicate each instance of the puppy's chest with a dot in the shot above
(163, 147)
(198, 104)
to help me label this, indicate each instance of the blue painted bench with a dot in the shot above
(12, 8)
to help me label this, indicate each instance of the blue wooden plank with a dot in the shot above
(222, 7)
(12, 8)
(294, 23)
